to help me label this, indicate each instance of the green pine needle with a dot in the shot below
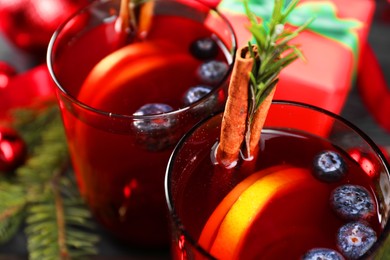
(12, 205)
(43, 194)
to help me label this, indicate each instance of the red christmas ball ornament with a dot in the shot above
(6, 73)
(12, 149)
(29, 24)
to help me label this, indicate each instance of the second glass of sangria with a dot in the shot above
(317, 188)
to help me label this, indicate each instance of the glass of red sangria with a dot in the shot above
(317, 188)
(131, 81)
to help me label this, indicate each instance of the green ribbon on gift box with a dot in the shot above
(326, 23)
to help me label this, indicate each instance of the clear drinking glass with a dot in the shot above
(119, 150)
(281, 204)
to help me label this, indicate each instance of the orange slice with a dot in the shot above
(122, 65)
(235, 217)
(211, 228)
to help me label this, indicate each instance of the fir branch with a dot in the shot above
(60, 218)
(12, 205)
(44, 194)
(10, 225)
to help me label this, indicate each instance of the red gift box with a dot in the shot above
(331, 45)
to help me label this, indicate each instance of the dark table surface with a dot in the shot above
(354, 111)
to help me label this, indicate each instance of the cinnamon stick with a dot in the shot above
(134, 18)
(258, 122)
(145, 18)
(236, 110)
(123, 21)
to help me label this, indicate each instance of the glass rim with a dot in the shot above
(74, 100)
(167, 184)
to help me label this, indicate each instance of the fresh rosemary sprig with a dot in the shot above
(42, 193)
(273, 50)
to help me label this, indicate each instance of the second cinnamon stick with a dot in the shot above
(236, 110)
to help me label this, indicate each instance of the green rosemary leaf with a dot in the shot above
(294, 34)
(298, 52)
(269, 74)
(266, 92)
(281, 63)
(272, 78)
(267, 60)
(288, 10)
(260, 89)
(276, 15)
(253, 82)
(258, 36)
(251, 16)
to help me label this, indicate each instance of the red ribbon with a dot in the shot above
(373, 88)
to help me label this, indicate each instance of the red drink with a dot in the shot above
(280, 205)
(119, 153)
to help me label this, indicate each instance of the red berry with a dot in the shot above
(12, 149)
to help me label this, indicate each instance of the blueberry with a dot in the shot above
(322, 254)
(193, 94)
(204, 48)
(155, 133)
(153, 123)
(153, 109)
(355, 239)
(212, 72)
(352, 202)
(329, 166)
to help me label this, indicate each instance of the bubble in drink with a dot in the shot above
(322, 254)
(212, 72)
(355, 239)
(352, 202)
(329, 166)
